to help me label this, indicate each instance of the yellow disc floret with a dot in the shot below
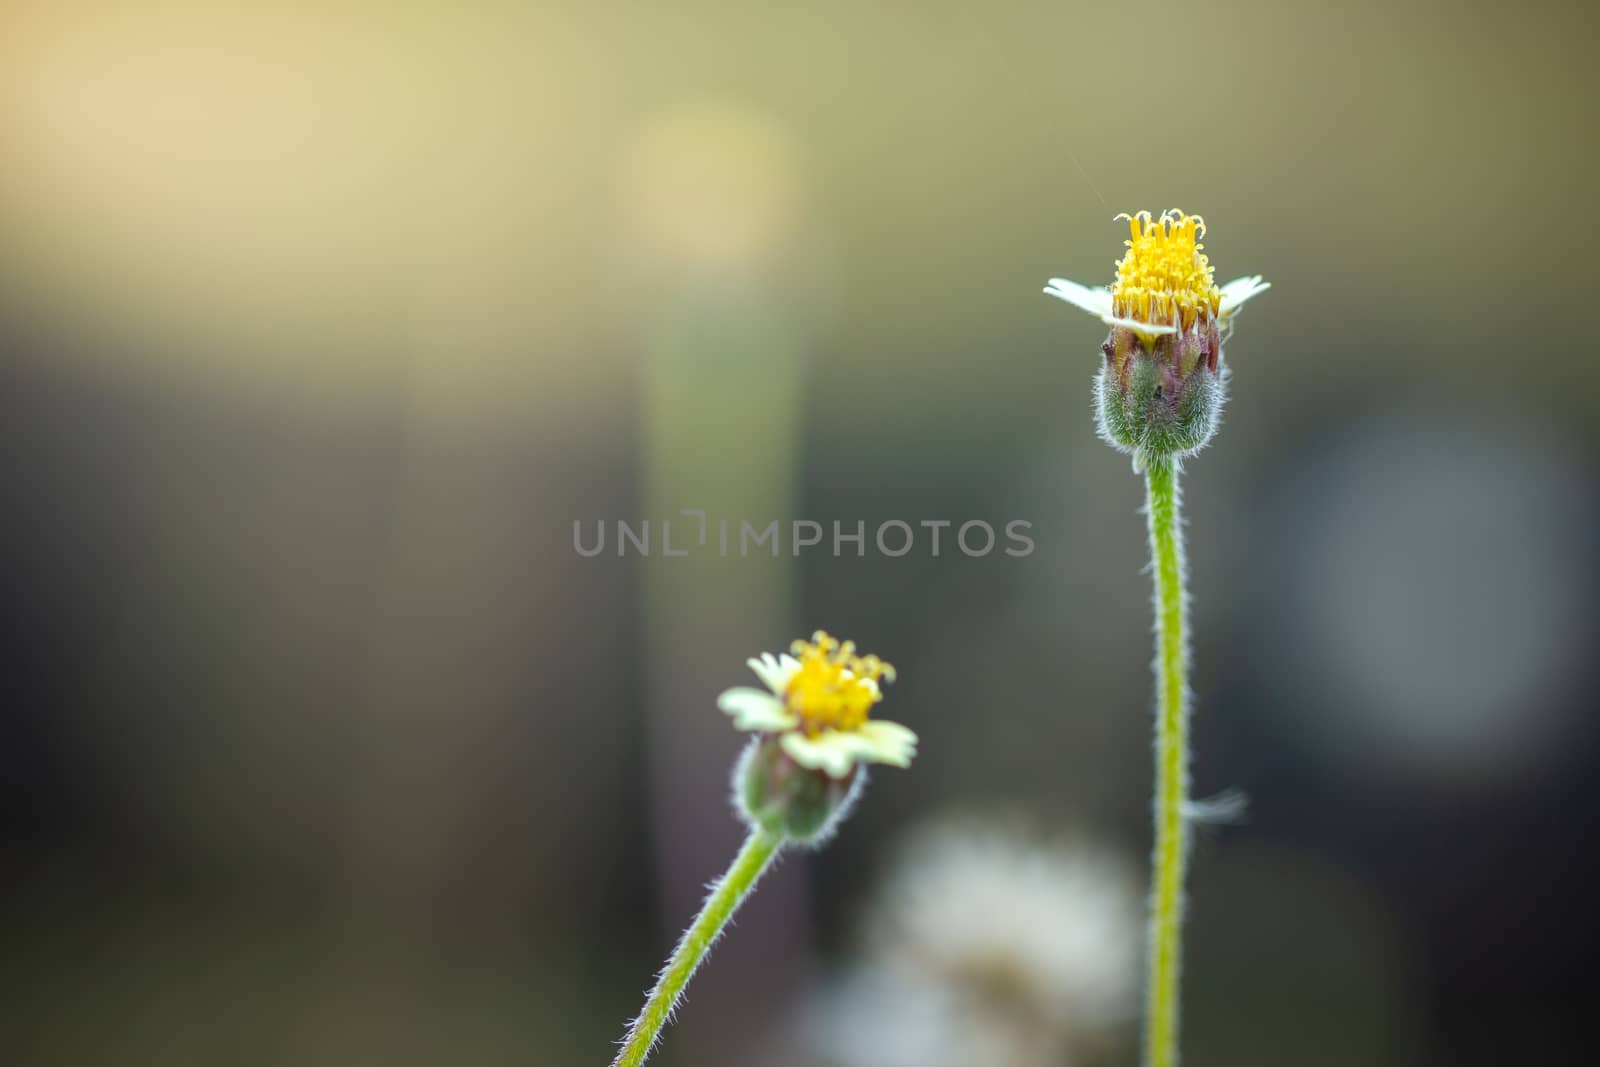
(834, 688)
(1165, 279)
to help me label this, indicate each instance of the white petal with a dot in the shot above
(1096, 301)
(886, 742)
(1138, 327)
(1238, 291)
(753, 709)
(774, 671)
(882, 731)
(830, 751)
(763, 667)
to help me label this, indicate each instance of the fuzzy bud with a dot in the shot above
(778, 796)
(1161, 394)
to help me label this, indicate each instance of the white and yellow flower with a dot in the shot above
(818, 702)
(1162, 386)
(1164, 282)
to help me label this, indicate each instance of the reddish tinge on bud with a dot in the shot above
(1161, 389)
(776, 795)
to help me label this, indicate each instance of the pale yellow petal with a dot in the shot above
(830, 752)
(774, 671)
(754, 709)
(886, 742)
(1096, 300)
(1238, 291)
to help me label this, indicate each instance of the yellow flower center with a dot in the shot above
(834, 688)
(1165, 279)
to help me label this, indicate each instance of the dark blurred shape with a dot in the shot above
(1440, 569)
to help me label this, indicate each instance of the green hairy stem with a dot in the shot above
(726, 896)
(1172, 762)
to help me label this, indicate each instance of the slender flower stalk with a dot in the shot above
(1172, 760)
(798, 778)
(1159, 396)
(754, 859)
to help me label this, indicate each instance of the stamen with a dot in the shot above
(834, 688)
(1165, 277)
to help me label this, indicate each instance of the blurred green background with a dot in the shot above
(321, 325)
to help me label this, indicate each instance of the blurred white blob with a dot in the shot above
(986, 946)
(1434, 576)
(711, 187)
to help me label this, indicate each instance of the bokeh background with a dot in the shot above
(321, 325)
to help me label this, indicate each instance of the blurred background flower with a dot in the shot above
(320, 324)
(986, 944)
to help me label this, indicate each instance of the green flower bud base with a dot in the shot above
(778, 796)
(1147, 409)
